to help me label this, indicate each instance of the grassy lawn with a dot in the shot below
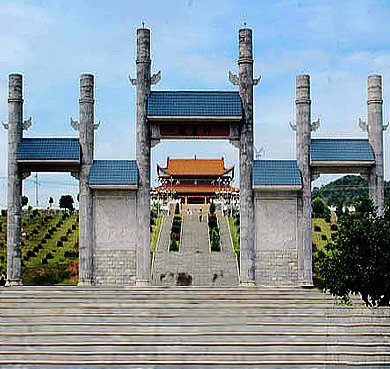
(155, 233)
(321, 234)
(235, 238)
(320, 237)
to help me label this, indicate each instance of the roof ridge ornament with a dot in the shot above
(236, 80)
(27, 124)
(156, 78)
(75, 124)
(315, 125)
(233, 79)
(133, 81)
(363, 125)
(5, 125)
(293, 126)
(384, 127)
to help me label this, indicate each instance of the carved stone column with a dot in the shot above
(247, 226)
(86, 117)
(303, 128)
(15, 135)
(143, 149)
(375, 137)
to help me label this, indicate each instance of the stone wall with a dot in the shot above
(115, 225)
(276, 238)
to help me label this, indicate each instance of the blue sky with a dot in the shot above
(194, 44)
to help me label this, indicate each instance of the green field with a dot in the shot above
(49, 249)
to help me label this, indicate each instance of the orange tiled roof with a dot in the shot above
(191, 167)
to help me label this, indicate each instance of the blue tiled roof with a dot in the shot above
(339, 150)
(114, 172)
(49, 148)
(276, 173)
(194, 103)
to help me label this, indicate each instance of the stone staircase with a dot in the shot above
(187, 327)
(194, 257)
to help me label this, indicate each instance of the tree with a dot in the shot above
(319, 209)
(51, 200)
(24, 200)
(358, 257)
(212, 208)
(66, 202)
(177, 208)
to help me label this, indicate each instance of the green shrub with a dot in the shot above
(43, 241)
(35, 231)
(47, 236)
(31, 254)
(74, 227)
(36, 249)
(213, 223)
(3, 212)
(215, 242)
(173, 245)
(64, 238)
(177, 208)
(40, 246)
(176, 228)
(35, 212)
(212, 208)
(59, 244)
(27, 237)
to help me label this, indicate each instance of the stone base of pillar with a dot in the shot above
(86, 283)
(142, 282)
(247, 283)
(13, 282)
(305, 284)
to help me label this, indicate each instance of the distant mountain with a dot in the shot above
(345, 189)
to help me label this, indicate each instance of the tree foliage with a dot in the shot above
(66, 202)
(24, 200)
(319, 209)
(358, 257)
(177, 208)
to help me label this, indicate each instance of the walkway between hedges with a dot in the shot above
(194, 256)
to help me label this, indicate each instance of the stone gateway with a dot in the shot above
(275, 195)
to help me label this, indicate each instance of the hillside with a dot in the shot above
(345, 189)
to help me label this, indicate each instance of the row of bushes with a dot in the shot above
(175, 230)
(215, 240)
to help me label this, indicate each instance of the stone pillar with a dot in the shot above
(143, 157)
(247, 226)
(15, 135)
(375, 137)
(303, 122)
(86, 117)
